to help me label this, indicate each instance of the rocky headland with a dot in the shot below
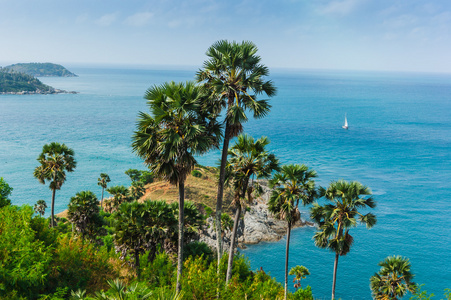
(257, 225)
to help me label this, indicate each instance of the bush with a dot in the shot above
(303, 294)
(196, 173)
(158, 273)
(25, 260)
(80, 265)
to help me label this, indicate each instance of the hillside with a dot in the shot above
(15, 83)
(41, 69)
(200, 189)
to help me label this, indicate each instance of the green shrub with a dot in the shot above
(303, 294)
(196, 173)
(197, 249)
(25, 260)
(158, 273)
(80, 265)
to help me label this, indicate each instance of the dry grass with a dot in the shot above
(200, 190)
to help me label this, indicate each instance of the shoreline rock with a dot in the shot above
(257, 225)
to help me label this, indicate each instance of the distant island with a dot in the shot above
(41, 69)
(15, 83)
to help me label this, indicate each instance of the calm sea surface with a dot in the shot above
(398, 144)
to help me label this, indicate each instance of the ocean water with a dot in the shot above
(398, 144)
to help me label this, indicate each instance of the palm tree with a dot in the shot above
(393, 280)
(233, 76)
(137, 190)
(120, 193)
(169, 140)
(248, 159)
(335, 219)
(102, 181)
(83, 212)
(292, 184)
(299, 272)
(40, 207)
(54, 161)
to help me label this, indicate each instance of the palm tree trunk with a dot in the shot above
(286, 259)
(180, 241)
(219, 197)
(232, 244)
(101, 202)
(52, 221)
(335, 275)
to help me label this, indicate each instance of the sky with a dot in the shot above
(385, 35)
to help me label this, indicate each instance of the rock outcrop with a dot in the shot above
(257, 225)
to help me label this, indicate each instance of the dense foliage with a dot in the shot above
(14, 82)
(41, 69)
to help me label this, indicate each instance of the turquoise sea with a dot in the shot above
(398, 144)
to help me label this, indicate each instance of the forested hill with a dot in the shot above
(19, 83)
(41, 69)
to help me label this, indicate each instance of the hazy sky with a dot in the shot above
(401, 35)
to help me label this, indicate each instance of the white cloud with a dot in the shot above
(340, 7)
(106, 20)
(139, 19)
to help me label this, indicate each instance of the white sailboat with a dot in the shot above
(345, 126)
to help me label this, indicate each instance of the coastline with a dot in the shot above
(39, 92)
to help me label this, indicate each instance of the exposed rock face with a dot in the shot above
(258, 225)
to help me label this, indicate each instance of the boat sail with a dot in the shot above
(345, 126)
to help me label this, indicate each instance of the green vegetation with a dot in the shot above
(248, 159)
(13, 82)
(55, 160)
(133, 247)
(334, 220)
(232, 77)
(393, 280)
(41, 69)
(293, 183)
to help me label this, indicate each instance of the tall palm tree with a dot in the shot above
(335, 219)
(393, 280)
(103, 181)
(40, 207)
(299, 272)
(233, 77)
(293, 184)
(248, 159)
(55, 160)
(169, 140)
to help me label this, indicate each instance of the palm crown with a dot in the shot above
(292, 184)
(234, 76)
(393, 280)
(337, 218)
(178, 129)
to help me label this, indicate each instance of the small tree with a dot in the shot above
(84, 214)
(393, 280)
(137, 190)
(120, 194)
(134, 174)
(103, 181)
(299, 272)
(40, 207)
(55, 160)
(5, 191)
(141, 226)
